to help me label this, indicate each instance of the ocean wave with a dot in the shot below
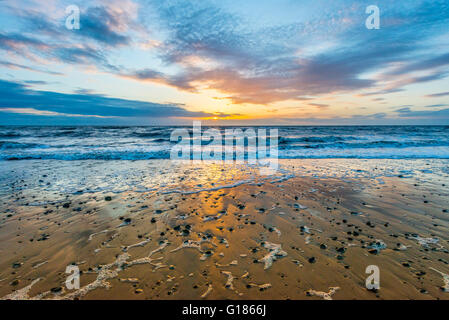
(142, 143)
(369, 145)
(313, 139)
(145, 134)
(9, 135)
(391, 153)
(121, 155)
(4, 145)
(161, 140)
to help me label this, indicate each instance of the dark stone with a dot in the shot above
(15, 282)
(43, 237)
(56, 289)
(341, 249)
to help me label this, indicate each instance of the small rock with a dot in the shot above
(56, 289)
(15, 282)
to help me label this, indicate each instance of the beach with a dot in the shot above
(225, 156)
(157, 229)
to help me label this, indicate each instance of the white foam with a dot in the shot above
(324, 295)
(275, 253)
(139, 244)
(96, 233)
(21, 294)
(425, 241)
(229, 283)
(209, 289)
(445, 288)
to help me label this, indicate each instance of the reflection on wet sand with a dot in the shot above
(150, 230)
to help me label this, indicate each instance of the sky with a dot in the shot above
(224, 62)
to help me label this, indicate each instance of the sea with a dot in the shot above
(153, 142)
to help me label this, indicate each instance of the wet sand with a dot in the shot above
(307, 233)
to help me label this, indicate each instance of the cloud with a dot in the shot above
(18, 42)
(39, 82)
(437, 105)
(398, 85)
(81, 55)
(404, 110)
(104, 25)
(13, 65)
(101, 28)
(434, 114)
(67, 53)
(382, 92)
(16, 97)
(204, 45)
(319, 105)
(437, 95)
(261, 65)
(426, 64)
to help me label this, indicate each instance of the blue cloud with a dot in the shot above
(325, 52)
(266, 60)
(97, 22)
(433, 114)
(13, 65)
(437, 95)
(17, 96)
